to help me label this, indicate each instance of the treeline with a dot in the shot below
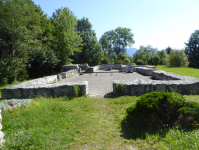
(33, 45)
(152, 56)
(189, 56)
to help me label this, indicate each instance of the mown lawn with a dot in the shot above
(181, 71)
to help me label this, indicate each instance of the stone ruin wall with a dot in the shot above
(166, 82)
(102, 67)
(1, 133)
(42, 87)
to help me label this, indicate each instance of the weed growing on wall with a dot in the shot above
(76, 90)
(120, 89)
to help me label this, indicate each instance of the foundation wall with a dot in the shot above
(36, 90)
(166, 82)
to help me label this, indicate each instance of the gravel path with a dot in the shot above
(103, 82)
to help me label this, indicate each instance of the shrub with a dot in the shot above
(120, 89)
(189, 115)
(120, 62)
(126, 61)
(133, 64)
(153, 110)
(140, 62)
(178, 58)
(76, 90)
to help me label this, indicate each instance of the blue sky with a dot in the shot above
(159, 23)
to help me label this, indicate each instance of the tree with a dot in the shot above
(162, 55)
(192, 49)
(105, 45)
(66, 39)
(20, 33)
(92, 52)
(123, 38)
(122, 56)
(119, 39)
(147, 54)
(177, 58)
(110, 36)
(168, 50)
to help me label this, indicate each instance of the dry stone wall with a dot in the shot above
(166, 82)
(103, 67)
(1, 133)
(69, 67)
(36, 90)
(42, 87)
(67, 74)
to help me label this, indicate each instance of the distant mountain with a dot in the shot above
(131, 51)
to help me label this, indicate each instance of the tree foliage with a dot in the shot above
(92, 52)
(168, 50)
(66, 40)
(192, 49)
(178, 58)
(118, 39)
(20, 36)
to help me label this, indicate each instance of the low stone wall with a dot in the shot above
(69, 73)
(44, 80)
(103, 67)
(69, 67)
(125, 68)
(83, 66)
(42, 87)
(167, 82)
(1, 133)
(144, 70)
(36, 90)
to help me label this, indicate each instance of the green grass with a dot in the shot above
(85, 123)
(181, 71)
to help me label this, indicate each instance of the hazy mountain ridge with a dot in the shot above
(131, 51)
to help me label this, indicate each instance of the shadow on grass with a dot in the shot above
(132, 130)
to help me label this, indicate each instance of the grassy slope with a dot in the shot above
(181, 71)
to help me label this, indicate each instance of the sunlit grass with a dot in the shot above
(87, 123)
(193, 72)
(84, 123)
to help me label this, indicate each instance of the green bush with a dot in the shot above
(126, 61)
(133, 64)
(76, 90)
(120, 89)
(120, 62)
(189, 115)
(140, 62)
(157, 109)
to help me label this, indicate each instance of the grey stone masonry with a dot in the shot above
(43, 87)
(103, 67)
(167, 82)
(83, 66)
(69, 67)
(66, 74)
(129, 67)
(1, 133)
(36, 90)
